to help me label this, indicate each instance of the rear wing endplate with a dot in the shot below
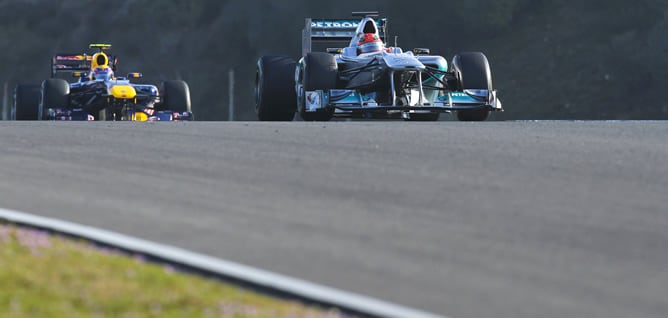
(328, 30)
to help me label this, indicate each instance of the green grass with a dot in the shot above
(49, 276)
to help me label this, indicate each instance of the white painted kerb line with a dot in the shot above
(254, 276)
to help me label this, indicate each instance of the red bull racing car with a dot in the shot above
(98, 94)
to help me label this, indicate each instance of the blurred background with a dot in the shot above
(550, 59)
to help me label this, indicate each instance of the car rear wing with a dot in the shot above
(68, 62)
(330, 31)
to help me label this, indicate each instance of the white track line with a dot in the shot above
(257, 277)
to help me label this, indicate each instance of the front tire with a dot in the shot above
(55, 94)
(473, 72)
(26, 102)
(320, 72)
(176, 96)
(275, 97)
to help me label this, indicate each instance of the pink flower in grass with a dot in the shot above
(139, 258)
(5, 233)
(235, 309)
(35, 240)
(169, 269)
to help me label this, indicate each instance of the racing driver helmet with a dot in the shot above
(102, 73)
(369, 43)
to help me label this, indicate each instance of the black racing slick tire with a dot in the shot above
(320, 73)
(175, 96)
(473, 72)
(55, 93)
(275, 96)
(26, 102)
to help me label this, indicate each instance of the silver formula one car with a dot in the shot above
(367, 79)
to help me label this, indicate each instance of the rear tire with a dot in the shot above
(26, 102)
(55, 93)
(320, 73)
(473, 72)
(275, 97)
(176, 96)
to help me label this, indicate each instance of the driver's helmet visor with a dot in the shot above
(375, 46)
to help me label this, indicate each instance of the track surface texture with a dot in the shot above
(494, 219)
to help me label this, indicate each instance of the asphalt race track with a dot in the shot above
(494, 219)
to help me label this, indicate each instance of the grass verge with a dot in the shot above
(49, 276)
